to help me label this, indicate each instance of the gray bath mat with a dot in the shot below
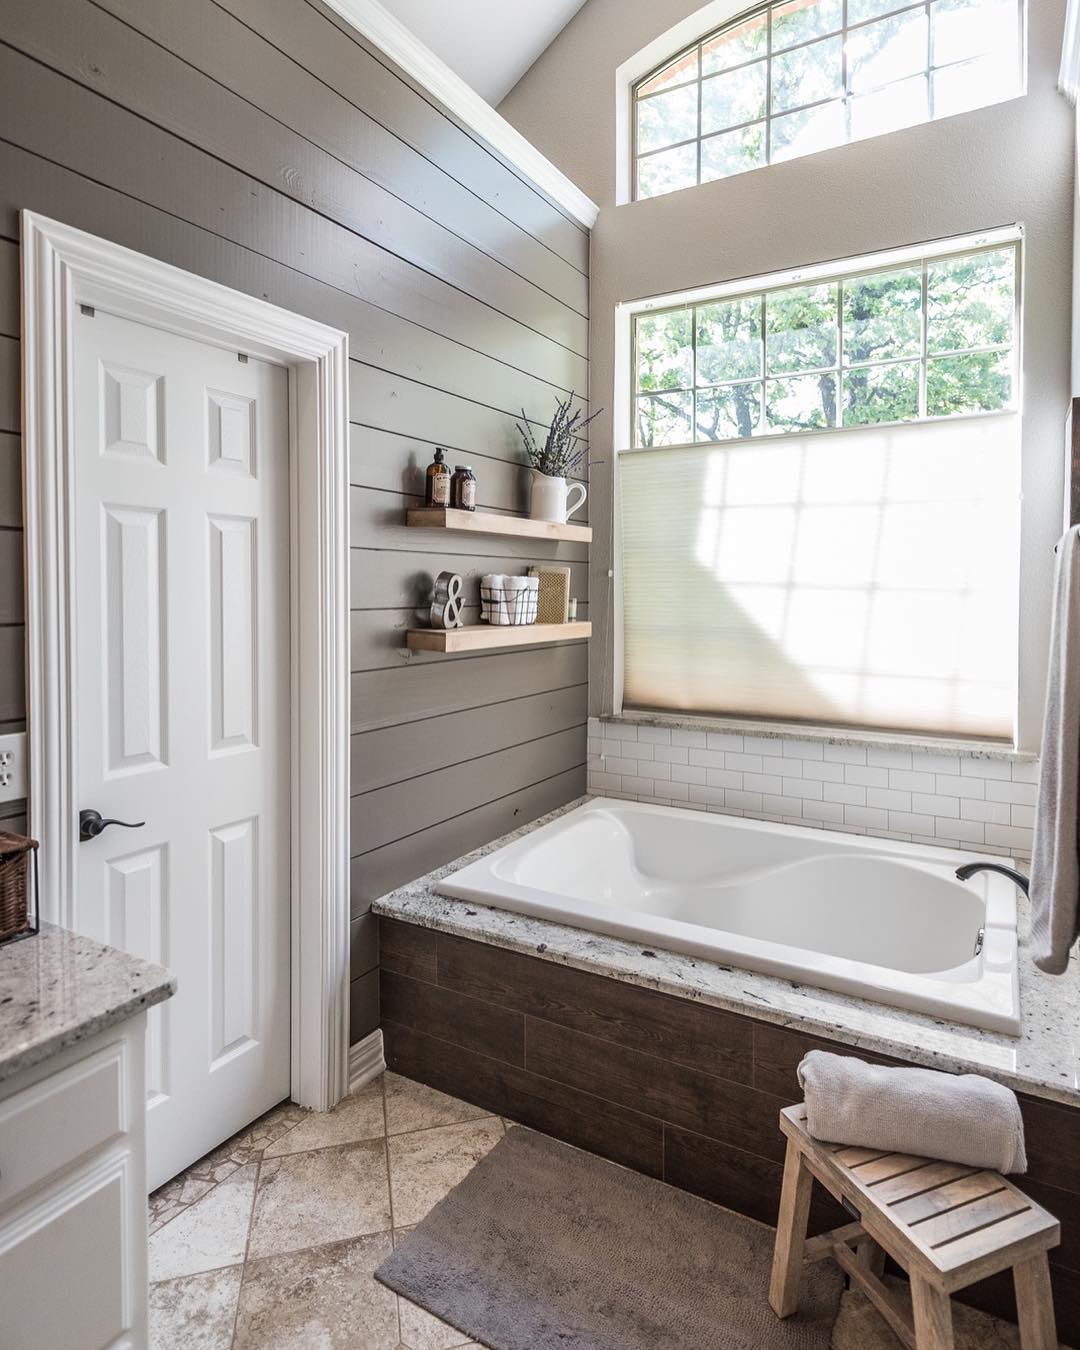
(543, 1247)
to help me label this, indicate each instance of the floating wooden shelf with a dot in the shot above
(477, 636)
(486, 522)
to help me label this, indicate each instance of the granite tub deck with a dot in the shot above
(57, 988)
(679, 1067)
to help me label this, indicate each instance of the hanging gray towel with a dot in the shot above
(961, 1118)
(1055, 863)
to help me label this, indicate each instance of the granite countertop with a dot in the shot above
(57, 988)
(1044, 1061)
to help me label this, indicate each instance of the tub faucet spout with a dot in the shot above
(969, 870)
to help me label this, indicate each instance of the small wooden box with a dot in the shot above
(553, 605)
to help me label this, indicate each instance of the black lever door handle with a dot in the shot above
(91, 824)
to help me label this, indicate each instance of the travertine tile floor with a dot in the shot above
(271, 1241)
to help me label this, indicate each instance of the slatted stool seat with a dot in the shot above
(947, 1225)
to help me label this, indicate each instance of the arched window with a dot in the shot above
(792, 77)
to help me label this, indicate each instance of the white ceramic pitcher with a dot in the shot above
(550, 499)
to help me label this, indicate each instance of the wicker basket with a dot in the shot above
(18, 877)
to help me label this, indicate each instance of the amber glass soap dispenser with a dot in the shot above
(437, 490)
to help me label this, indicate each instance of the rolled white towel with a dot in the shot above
(961, 1118)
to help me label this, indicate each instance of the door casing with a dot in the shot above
(62, 269)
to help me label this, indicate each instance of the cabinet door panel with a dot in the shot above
(60, 1119)
(64, 1281)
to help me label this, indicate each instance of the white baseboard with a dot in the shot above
(366, 1060)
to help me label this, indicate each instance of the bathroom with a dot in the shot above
(532, 552)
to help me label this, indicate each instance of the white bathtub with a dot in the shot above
(881, 920)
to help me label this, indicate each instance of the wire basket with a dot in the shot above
(18, 886)
(506, 600)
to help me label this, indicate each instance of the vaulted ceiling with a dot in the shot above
(489, 43)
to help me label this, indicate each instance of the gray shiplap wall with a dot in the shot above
(261, 143)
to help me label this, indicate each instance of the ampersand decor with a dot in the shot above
(446, 607)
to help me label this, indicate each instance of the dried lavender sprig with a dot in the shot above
(559, 453)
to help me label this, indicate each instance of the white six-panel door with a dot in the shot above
(182, 658)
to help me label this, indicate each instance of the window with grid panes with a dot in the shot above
(791, 78)
(819, 499)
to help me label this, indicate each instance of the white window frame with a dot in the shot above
(666, 47)
(624, 404)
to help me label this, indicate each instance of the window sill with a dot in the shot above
(882, 740)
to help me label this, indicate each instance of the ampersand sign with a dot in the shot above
(446, 607)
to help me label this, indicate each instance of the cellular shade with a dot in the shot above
(862, 578)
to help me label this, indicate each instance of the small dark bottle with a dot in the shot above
(463, 489)
(437, 488)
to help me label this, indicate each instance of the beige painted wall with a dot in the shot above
(1010, 162)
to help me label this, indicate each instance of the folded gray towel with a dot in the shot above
(960, 1118)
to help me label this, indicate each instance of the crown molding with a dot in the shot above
(374, 22)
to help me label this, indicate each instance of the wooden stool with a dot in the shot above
(947, 1225)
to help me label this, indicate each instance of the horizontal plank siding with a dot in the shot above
(406, 808)
(386, 697)
(264, 266)
(410, 407)
(12, 673)
(45, 110)
(363, 1005)
(9, 288)
(394, 754)
(219, 45)
(9, 384)
(11, 576)
(369, 81)
(10, 482)
(363, 945)
(392, 462)
(264, 145)
(385, 868)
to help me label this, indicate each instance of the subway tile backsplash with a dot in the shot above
(970, 801)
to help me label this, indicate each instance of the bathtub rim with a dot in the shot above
(993, 998)
(997, 892)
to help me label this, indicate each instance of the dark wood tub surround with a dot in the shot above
(671, 1087)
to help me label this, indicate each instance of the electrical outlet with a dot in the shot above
(13, 767)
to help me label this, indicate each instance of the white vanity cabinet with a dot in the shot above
(73, 1227)
(73, 1197)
